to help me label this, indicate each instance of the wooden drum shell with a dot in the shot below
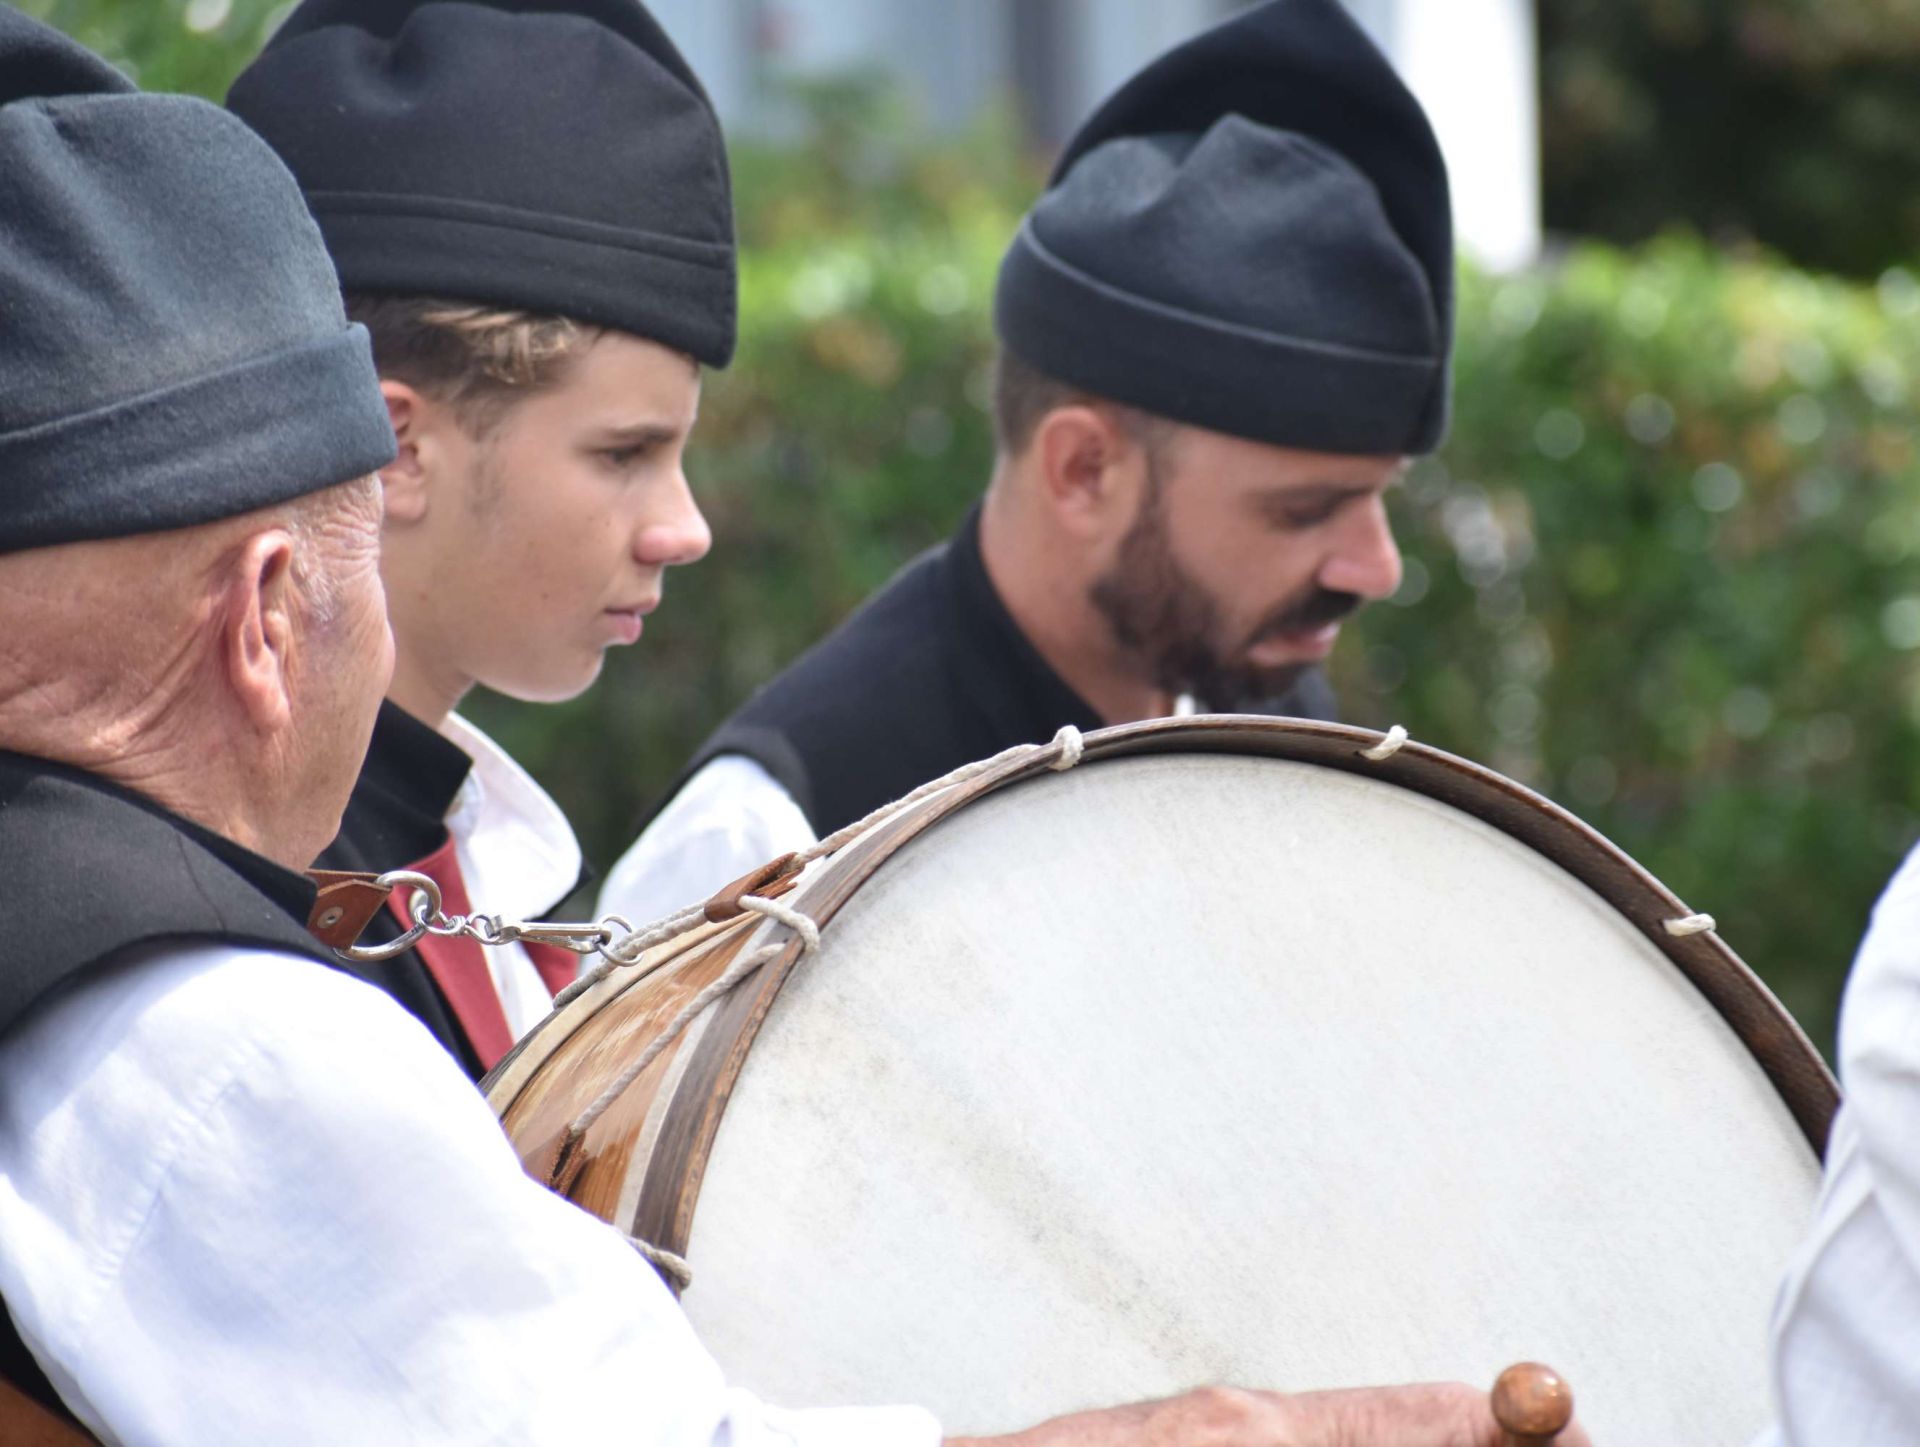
(643, 1164)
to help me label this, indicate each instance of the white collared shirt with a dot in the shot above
(1846, 1328)
(246, 1199)
(518, 856)
(731, 817)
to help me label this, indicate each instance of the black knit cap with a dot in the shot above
(172, 345)
(1253, 236)
(555, 157)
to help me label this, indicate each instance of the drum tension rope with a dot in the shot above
(349, 901)
(1395, 738)
(620, 946)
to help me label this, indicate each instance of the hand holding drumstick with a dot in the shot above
(1530, 1406)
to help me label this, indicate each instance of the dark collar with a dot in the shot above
(91, 870)
(1002, 672)
(407, 761)
(399, 808)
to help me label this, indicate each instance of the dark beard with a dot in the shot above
(1172, 625)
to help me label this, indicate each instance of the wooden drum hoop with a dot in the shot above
(671, 1115)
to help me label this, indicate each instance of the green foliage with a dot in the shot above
(196, 46)
(1667, 570)
(1788, 121)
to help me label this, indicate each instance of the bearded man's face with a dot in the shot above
(1241, 561)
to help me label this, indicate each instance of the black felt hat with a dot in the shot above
(1252, 235)
(172, 345)
(553, 157)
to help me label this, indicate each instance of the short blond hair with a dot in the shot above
(477, 359)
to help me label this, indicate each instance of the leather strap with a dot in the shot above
(459, 964)
(345, 904)
(769, 881)
(349, 899)
(25, 1423)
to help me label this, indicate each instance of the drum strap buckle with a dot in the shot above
(347, 902)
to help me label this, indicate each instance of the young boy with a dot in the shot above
(527, 204)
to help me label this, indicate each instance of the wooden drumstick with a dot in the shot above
(1531, 1403)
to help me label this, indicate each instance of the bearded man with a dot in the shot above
(1225, 328)
(244, 1196)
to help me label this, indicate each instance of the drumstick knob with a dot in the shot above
(1531, 1403)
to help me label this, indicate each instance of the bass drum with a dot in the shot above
(1244, 1050)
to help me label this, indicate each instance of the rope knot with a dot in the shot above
(1071, 746)
(1389, 745)
(802, 925)
(1693, 924)
(673, 1269)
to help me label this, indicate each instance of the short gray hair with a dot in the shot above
(308, 519)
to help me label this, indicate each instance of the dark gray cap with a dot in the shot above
(553, 156)
(1252, 235)
(172, 344)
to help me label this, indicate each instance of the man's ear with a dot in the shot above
(416, 424)
(258, 626)
(1085, 463)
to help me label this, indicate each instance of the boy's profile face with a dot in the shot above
(545, 540)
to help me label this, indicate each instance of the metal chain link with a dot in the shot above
(488, 929)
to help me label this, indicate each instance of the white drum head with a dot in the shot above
(1215, 1067)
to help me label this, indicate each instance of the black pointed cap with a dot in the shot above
(1253, 235)
(553, 157)
(173, 349)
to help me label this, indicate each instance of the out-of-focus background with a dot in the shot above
(1667, 570)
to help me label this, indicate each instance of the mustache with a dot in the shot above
(1317, 609)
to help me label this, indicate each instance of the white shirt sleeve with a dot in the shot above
(1846, 1330)
(729, 818)
(246, 1199)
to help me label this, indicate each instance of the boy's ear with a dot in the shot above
(258, 628)
(415, 421)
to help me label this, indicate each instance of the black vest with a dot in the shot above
(89, 873)
(397, 817)
(929, 674)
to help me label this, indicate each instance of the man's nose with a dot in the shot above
(1365, 560)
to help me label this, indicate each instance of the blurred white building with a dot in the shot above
(1472, 62)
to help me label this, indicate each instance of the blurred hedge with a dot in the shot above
(1667, 570)
(1641, 102)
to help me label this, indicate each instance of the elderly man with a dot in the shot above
(1224, 328)
(244, 1197)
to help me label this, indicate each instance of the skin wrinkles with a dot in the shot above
(192, 667)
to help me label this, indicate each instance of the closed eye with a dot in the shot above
(630, 447)
(627, 456)
(1306, 508)
(1309, 517)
